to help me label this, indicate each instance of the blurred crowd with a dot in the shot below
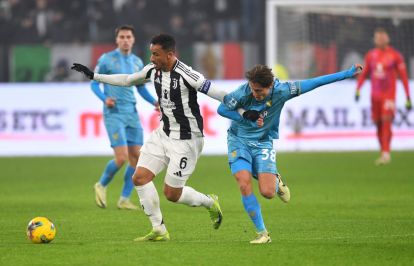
(60, 21)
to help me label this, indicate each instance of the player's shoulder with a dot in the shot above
(187, 71)
(394, 51)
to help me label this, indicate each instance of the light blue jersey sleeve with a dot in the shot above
(300, 87)
(101, 69)
(143, 91)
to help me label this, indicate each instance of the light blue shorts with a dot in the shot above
(253, 156)
(124, 129)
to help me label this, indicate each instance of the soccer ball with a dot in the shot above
(41, 230)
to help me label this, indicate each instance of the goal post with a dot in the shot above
(306, 38)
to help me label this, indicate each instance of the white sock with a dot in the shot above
(148, 197)
(193, 198)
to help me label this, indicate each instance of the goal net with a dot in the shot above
(310, 38)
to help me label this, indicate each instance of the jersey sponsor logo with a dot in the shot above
(205, 86)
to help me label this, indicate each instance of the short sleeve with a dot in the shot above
(233, 99)
(101, 65)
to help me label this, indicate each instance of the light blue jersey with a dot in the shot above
(255, 144)
(115, 62)
(121, 121)
(270, 108)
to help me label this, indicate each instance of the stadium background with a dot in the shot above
(221, 39)
(344, 210)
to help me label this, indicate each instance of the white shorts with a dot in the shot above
(180, 156)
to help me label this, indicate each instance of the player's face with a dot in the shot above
(381, 39)
(159, 57)
(259, 92)
(125, 40)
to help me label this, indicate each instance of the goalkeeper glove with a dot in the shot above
(357, 96)
(408, 104)
(251, 115)
(83, 69)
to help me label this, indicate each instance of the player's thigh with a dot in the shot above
(153, 153)
(133, 154)
(388, 110)
(116, 129)
(120, 154)
(183, 156)
(244, 180)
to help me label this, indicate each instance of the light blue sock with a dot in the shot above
(252, 207)
(109, 172)
(128, 184)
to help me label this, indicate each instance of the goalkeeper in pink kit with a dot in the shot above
(384, 64)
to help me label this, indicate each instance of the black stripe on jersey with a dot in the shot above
(149, 73)
(192, 75)
(179, 115)
(193, 104)
(158, 90)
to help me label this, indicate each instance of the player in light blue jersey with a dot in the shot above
(120, 116)
(254, 109)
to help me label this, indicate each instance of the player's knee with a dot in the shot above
(268, 193)
(142, 176)
(120, 161)
(172, 196)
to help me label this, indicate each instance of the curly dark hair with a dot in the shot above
(260, 74)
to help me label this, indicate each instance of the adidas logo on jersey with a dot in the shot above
(178, 174)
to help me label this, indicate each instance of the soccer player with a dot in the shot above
(254, 109)
(120, 116)
(177, 142)
(383, 64)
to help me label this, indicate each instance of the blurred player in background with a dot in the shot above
(255, 109)
(177, 142)
(120, 116)
(383, 64)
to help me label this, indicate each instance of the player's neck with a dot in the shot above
(383, 48)
(171, 65)
(125, 52)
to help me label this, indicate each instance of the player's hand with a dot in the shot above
(109, 102)
(83, 69)
(157, 107)
(408, 104)
(251, 115)
(357, 96)
(356, 69)
(260, 122)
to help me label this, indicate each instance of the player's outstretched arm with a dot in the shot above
(123, 80)
(310, 84)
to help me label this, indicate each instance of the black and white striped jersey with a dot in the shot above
(177, 96)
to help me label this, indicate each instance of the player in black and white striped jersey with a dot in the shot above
(178, 141)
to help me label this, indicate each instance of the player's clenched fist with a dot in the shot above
(251, 115)
(83, 69)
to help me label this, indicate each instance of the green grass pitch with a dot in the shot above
(343, 211)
